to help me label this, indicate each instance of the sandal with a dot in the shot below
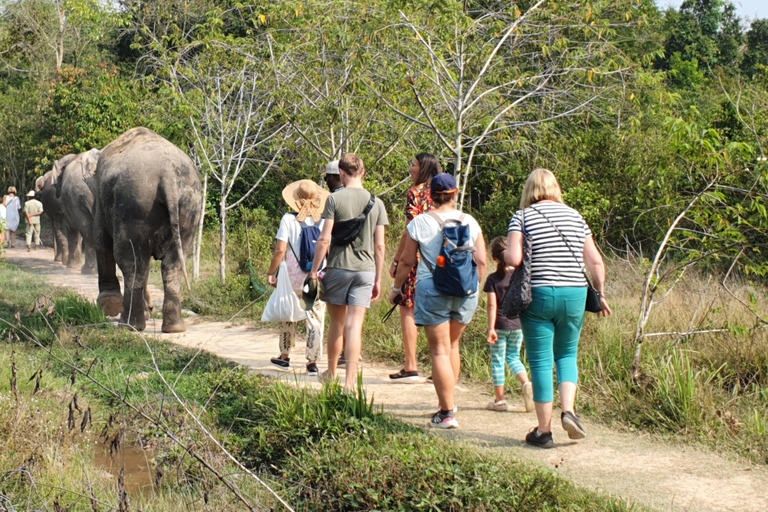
(499, 406)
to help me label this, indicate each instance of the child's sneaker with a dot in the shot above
(499, 406)
(447, 420)
(311, 369)
(528, 397)
(572, 425)
(536, 438)
(325, 377)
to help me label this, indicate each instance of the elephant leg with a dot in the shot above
(110, 299)
(133, 259)
(91, 264)
(172, 277)
(74, 247)
(148, 306)
(59, 243)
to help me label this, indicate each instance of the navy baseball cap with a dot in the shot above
(443, 184)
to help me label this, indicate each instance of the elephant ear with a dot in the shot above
(89, 162)
(59, 165)
(40, 182)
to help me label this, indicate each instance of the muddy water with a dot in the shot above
(135, 462)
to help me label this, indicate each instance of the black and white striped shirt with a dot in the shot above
(552, 263)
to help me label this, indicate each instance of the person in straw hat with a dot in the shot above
(307, 200)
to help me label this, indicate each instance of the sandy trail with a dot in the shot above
(641, 468)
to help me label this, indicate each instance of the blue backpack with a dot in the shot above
(455, 272)
(307, 246)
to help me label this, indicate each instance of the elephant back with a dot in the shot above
(146, 184)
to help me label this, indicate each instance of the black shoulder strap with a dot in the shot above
(568, 245)
(369, 207)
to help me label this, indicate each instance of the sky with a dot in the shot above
(745, 8)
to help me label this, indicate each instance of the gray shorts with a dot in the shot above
(348, 287)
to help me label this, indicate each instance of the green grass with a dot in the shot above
(319, 450)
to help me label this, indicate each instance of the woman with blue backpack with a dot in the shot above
(295, 243)
(453, 256)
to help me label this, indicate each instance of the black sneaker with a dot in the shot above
(342, 360)
(535, 438)
(311, 369)
(444, 420)
(404, 376)
(283, 364)
(572, 425)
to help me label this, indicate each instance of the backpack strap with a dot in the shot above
(369, 206)
(440, 222)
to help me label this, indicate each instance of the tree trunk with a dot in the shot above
(223, 239)
(60, 40)
(199, 241)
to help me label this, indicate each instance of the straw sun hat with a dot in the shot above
(307, 198)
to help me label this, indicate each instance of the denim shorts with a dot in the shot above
(432, 308)
(348, 287)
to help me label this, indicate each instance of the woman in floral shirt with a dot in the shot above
(423, 168)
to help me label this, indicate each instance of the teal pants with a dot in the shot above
(506, 349)
(551, 327)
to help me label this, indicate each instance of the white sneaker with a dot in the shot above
(447, 421)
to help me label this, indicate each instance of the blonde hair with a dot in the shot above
(12, 190)
(541, 184)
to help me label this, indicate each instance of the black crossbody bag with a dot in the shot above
(345, 232)
(593, 304)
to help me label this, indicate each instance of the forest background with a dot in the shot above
(654, 121)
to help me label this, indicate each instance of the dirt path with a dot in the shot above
(653, 472)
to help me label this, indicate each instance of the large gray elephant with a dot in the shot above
(76, 188)
(147, 206)
(67, 240)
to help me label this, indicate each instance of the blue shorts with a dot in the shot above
(432, 308)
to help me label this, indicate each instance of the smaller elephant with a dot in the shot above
(67, 240)
(75, 186)
(147, 206)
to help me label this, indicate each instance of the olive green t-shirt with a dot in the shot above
(347, 204)
(31, 207)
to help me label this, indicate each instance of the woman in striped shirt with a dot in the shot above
(561, 244)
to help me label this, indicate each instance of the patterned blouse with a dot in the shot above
(419, 201)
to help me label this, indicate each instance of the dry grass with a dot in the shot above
(708, 387)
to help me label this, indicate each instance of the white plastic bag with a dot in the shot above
(283, 304)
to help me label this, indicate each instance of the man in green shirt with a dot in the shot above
(33, 209)
(353, 272)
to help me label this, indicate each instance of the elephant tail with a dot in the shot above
(172, 200)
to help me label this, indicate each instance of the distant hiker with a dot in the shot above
(330, 174)
(12, 207)
(452, 257)
(33, 209)
(292, 245)
(423, 168)
(354, 230)
(561, 244)
(2, 220)
(505, 335)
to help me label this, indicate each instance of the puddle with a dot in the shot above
(135, 462)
